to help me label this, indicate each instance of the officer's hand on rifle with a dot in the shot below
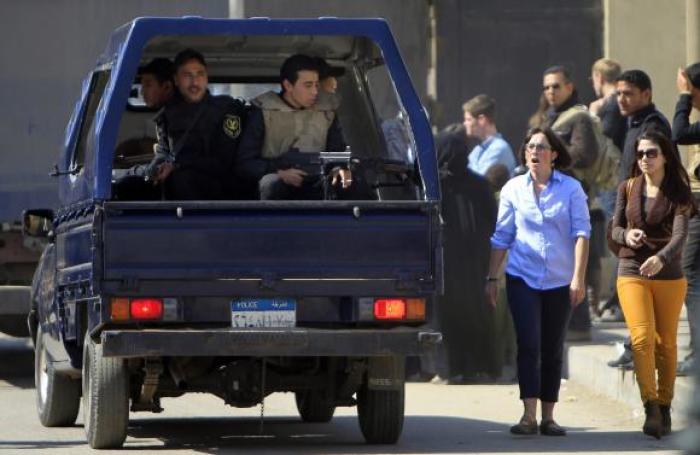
(164, 170)
(342, 176)
(292, 176)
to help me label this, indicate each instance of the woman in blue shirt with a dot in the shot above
(543, 223)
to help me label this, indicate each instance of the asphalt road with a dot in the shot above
(440, 419)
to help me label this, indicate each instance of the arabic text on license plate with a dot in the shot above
(257, 313)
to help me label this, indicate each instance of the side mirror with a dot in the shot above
(37, 223)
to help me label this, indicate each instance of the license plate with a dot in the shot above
(257, 313)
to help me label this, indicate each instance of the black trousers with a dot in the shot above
(540, 319)
(691, 269)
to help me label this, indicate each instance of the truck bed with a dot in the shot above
(256, 248)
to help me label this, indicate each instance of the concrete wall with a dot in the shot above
(649, 35)
(502, 47)
(408, 20)
(46, 48)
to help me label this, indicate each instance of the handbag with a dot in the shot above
(613, 246)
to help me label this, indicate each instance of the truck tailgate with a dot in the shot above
(271, 242)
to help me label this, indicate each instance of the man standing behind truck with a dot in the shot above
(298, 119)
(198, 135)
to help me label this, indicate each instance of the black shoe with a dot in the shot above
(524, 428)
(665, 419)
(551, 428)
(686, 367)
(625, 361)
(652, 423)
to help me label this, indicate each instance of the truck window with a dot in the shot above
(393, 123)
(97, 87)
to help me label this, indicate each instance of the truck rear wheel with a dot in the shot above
(105, 397)
(57, 397)
(313, 406)
(380, 413)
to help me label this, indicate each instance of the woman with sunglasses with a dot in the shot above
(543, 222)
(650, 224)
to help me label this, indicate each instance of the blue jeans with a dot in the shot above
(540, 319)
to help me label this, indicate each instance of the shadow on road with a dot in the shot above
(421, 434)
(17, 362)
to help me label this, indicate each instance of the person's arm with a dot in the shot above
(501, 240)
(248, 163)
(619, 223)
(684, 132)
(679, 232)
(495, 263)
(583, 146)
(581, 231)
(577, 289)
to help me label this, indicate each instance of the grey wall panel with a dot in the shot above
(408, 20)
(502, 47)
(47, 47)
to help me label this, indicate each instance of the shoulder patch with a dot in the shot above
(232, 125)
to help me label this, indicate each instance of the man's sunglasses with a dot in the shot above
(649, 153)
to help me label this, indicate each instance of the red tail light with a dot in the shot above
(390, 309)
(146, 309)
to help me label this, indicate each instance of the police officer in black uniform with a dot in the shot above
(198, 137)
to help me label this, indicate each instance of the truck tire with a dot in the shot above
(105, 397)
(380, 413)
(57, 397)
(313, 407)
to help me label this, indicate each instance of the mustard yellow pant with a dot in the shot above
(652, 309)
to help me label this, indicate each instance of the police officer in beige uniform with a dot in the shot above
(301, 119)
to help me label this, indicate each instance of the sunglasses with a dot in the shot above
(556, 86)
(649, 153)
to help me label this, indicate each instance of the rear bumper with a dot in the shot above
(296, 342)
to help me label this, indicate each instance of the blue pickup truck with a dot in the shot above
(133, 301)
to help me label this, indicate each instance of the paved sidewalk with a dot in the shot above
(586, 363)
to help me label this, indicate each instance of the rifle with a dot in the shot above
(316, 164)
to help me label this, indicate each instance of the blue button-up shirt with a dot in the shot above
(541, 234)
(494, 150)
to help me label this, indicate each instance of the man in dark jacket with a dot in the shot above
(686, 133)
(634, 100)
(198, 135)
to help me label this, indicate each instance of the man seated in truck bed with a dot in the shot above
(198, 136)
(285, 126)
(157, 88)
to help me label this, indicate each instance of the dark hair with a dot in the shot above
(563, 159)
(297, 62)
(186, 55)
(325, 70)
(161, 68)
(558, 69)
(638, 78)
(481, 105)
(693, 73)
(676, 184)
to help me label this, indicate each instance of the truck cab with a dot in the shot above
(136, 300)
